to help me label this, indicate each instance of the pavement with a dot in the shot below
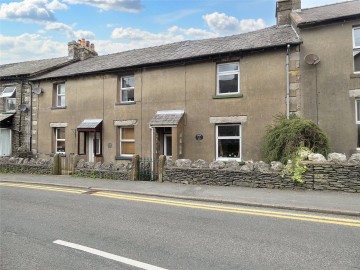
(328, 202)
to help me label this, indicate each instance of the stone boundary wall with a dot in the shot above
(328, 174)
(106, 170)
(25, 165)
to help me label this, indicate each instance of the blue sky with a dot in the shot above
(38, 29)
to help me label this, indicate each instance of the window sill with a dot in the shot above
(122, 158)
(228, 96)
(58, 108)
(355, 75)
(125, 103)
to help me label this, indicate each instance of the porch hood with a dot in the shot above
(89, 124)
(169, 118)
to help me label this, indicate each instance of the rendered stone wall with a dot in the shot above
(25, 165)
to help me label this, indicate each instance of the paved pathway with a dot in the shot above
(317, 201)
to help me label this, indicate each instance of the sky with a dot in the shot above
(40, 29)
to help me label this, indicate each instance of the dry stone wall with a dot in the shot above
(25, 165)
(335, 173)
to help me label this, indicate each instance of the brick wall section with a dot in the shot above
(320, 176)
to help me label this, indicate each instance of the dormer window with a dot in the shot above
(10, 100)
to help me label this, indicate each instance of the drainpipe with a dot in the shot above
(287, 82)
(21, 113)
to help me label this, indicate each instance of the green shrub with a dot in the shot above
(286, 136)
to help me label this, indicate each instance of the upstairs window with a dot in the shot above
(127, 89)
(60, 95)
(228, 78)
(9, 95)
(356, 49)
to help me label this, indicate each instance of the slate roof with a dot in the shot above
(265, 38)
(166, 118)
(30, 67)
(328, 13)
(90, 123)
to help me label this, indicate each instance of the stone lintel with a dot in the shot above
(58, 125)
(123, 123)
(354, 93)
(228, 119)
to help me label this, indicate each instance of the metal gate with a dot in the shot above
(147, 169)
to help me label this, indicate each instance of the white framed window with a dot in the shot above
(228, 142)
(9, 95)
(127, 141)
(228, 78)
(60, 140)
(60, 95)
(357, 119)
(127, 84)
(10, 104)
(356, 49)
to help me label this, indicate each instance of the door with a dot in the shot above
(168, 145)
(91, 146)
(5, 142)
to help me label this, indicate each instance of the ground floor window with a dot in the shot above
(357, 109)
(60, 140)
(228, 142)
(127, 141)
(5, 142)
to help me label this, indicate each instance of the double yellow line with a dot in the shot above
(219, 208)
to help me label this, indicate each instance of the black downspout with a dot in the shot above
(31, 115)
(21, 101)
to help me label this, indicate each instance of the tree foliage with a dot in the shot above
(285, 136)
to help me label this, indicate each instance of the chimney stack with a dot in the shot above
(81, 50)
(283, 10)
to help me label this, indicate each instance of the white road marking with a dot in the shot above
(109, 256)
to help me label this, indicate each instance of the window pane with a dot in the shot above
(358, 110)
(127, 133)
(82, 146)
(127, 95)
(228, 83)
(356, 60)
(127, 81)
(229, 130)
(229, 148)
(61, 89)
(128, 148)
(358, 144)
(357, 37)
(168, 145)
(97, 143)
(11, 104)
(60, 133)
(60, 146)
(228, 67)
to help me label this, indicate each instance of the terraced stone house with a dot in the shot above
(208, 99)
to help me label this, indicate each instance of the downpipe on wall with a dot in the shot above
(287, 82)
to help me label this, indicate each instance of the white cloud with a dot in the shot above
(175, 16)
(225, 25)
(57, 5)
(70, 33)
(29, 47)
(122, 5)
(31, 10)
